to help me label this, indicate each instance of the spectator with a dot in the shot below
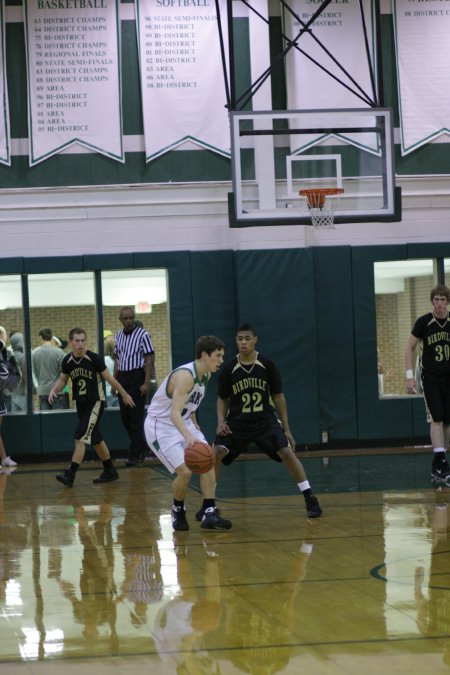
(5, 460)
(19, 398)
(46, 362)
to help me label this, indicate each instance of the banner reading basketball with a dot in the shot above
(423, 53)
(73, 76)
(183, 93)
(5, 154)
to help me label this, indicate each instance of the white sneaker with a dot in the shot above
(8, 462)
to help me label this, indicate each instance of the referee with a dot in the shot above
(134, 368)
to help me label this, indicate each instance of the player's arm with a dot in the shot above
(58, 386)
(409, 358)
(116, 386)
(180, 384)
(223, 405)
(281, 408)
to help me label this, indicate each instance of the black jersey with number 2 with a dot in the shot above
(84, 371)
(249, 388)
(435, 336)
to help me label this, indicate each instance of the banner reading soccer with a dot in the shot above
(337, 32)
(5, 152)
(183, 93)
(423, 53)
(73, 69)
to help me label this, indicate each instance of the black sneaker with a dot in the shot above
(179, 522)
(106, 477)
(440, 473)
(199, 515)
(212, 521)
(313, 509)
(66, 478)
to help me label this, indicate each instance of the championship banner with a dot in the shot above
(74, 92)
(422, 40)
(182, 84)
(340, 29)
(5, 150)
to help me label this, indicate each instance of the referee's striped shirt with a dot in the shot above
(131, 348)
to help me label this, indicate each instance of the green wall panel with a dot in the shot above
(22, 435)
(213, 294)
(335, 342)
(275, 293)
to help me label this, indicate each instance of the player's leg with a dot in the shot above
(275, 444)
(67, 477)
(109, 472)
(226, 450)
(168, 445)
(435, 399)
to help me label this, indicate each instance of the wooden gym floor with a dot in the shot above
(93, 579)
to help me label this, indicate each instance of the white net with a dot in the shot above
(322, 204)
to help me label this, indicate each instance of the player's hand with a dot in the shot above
(223, 429)
(52, 395)
(411, 385)
(189, 440)
(126, 398)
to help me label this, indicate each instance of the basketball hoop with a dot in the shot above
(322, 210)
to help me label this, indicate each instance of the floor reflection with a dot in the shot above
(95, 575)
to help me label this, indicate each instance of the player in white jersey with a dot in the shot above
(171, 425)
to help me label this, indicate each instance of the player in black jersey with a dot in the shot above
(433, 330)
(251, 408)
(86, 369)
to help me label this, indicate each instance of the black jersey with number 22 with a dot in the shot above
(249, 388)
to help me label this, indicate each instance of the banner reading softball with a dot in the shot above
(423, 55)
(74, 93)
(338, 44)
(182, 84)
(5, 151)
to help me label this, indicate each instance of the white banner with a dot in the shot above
(5, 150)
(182, 84)
(74, 92)
(422, 39)
(339, 28)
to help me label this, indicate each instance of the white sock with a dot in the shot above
(304, 485)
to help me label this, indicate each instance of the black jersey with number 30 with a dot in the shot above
(249, 388)
(435, 336)
(84, 371)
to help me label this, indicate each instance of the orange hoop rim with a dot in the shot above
(321, 191)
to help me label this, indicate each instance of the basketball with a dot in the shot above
(199, 457)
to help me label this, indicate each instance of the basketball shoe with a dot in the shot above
(106, 477)
(313, 509)
(66, 478)
(8, 462)
(199, 515)
(440, 472)
(179, 522)
(212, 520)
